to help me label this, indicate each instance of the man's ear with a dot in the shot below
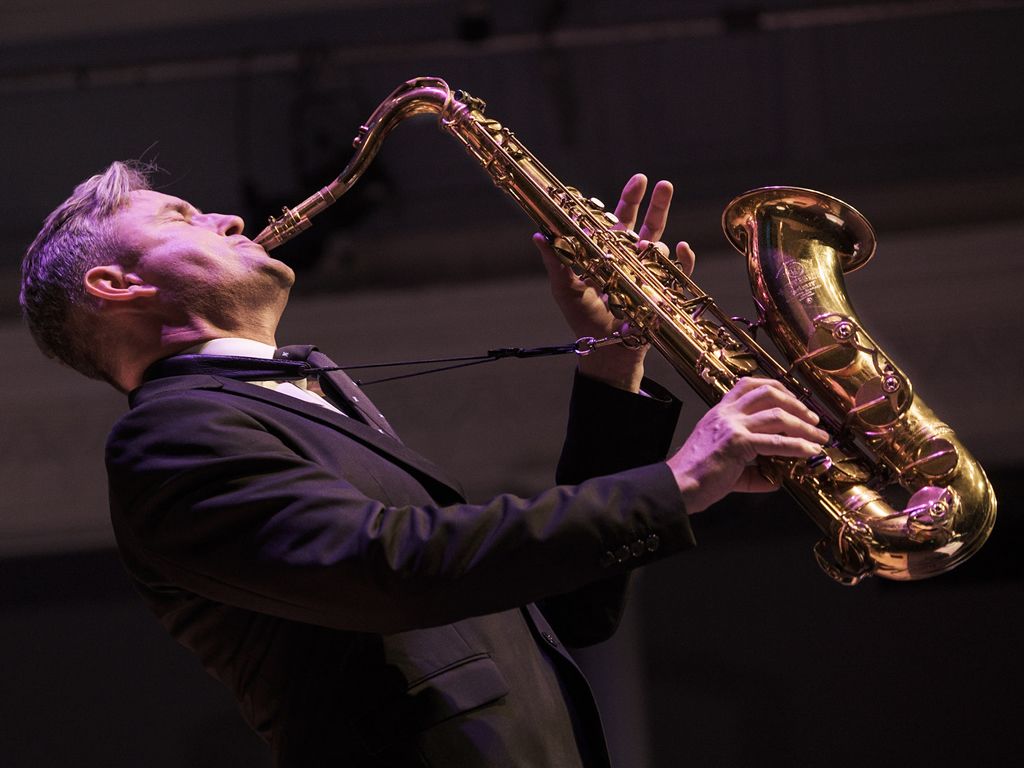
(112, 283)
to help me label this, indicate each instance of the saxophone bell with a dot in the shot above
(899, 495)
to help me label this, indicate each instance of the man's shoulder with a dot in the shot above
(182, 405)
(165, 397)
(175, 387)
(198, 390)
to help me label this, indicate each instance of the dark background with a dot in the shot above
(740, 653)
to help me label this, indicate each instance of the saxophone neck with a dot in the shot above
(421, 95)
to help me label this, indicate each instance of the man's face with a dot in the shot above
(201, 263)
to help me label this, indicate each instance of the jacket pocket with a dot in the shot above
(465, 685)
(390, 731)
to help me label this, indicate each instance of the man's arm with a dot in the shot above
(205, 498)
(609, 430)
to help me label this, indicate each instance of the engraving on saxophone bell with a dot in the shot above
(802, 283)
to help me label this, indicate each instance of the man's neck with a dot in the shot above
(129, 376)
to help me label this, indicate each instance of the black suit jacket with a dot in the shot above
(361, 612)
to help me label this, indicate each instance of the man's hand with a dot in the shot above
(757, 417)
(586, 308)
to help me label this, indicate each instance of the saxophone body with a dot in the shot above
(894, 492)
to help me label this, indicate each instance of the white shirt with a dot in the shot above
(236, 347)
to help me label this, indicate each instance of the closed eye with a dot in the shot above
(183, 209)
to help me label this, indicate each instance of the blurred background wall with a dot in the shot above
(737, 654)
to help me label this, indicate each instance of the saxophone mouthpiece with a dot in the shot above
(282, 229)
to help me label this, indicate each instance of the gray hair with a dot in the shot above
(76, 237)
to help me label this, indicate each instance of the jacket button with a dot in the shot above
(552, 640)
(652, 542)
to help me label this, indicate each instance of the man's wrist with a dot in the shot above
(619, 368)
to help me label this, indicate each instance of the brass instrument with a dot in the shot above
(895, 493)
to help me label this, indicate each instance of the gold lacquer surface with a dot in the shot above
(895, 492)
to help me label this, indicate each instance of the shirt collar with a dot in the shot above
(236, 347)
(233, 347)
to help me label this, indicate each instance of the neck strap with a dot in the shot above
(231, 367)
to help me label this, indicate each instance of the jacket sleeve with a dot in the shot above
(609, 431)
(205, 498)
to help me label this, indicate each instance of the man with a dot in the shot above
(362, 612)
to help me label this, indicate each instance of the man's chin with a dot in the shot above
(288, 277)
(283, 275)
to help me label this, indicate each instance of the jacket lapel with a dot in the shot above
(355, 429)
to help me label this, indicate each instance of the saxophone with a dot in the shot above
(894, 492)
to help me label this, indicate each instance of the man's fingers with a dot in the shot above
(754, 393)
(751, 395)
(778, 420)
(783, 445)
(643, 244)
(685, 257)
(629, 203)
(657, 212)
(552, 263)
(747, 383)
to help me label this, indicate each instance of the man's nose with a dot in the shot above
(225, 224)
